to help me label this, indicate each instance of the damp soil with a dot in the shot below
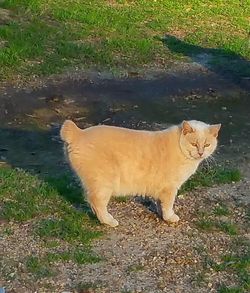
(30, 117)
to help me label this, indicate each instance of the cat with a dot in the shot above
(114, 161)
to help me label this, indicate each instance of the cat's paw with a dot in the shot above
(172, 219)
(112, 222)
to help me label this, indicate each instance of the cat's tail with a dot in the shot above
(69, 131)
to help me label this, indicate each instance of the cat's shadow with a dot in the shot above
(150, 204)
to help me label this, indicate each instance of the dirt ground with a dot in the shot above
(143, 254)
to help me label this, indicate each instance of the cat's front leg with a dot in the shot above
(167, 198)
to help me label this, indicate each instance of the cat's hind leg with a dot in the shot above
(99, 202)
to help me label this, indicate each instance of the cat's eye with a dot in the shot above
(207, 145)
(194, 144)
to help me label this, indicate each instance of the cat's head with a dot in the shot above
(198, 140)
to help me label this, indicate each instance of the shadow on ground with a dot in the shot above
(223, 62)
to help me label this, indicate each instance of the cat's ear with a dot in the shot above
(214, 129)
(186, 128)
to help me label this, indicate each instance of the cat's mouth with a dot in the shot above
(196, 156)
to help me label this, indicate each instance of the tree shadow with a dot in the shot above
(221, 61)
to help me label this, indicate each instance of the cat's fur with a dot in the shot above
(114, 161)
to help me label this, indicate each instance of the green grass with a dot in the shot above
(211, 176)
(213, 221)
(52, 243)
(24, 197)
(7, 232)
(38, 268)
(240, 265)
(236, 265)
(200, 279)
(225, 289)
(221, 210)
(68, 188)
(69, 228)
(87, 287)
(227, 227)
(44, 37)
(42, 266)
(78, 255)
(207, 224)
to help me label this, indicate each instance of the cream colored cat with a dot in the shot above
(114, 161)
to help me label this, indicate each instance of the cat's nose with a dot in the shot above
(200, 154)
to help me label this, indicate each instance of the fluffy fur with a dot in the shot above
(114, 161)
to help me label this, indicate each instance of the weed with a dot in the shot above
(41, 267)
(38, 268)
(227, 227)
(213, 225)
(52, 243)
(200, 278)
(77, 255)
(85, 287)
(7, 231)
(208, 262)
(205, 224)
(225, 289)
(239, 264)
(221, 210)
(211, 176)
